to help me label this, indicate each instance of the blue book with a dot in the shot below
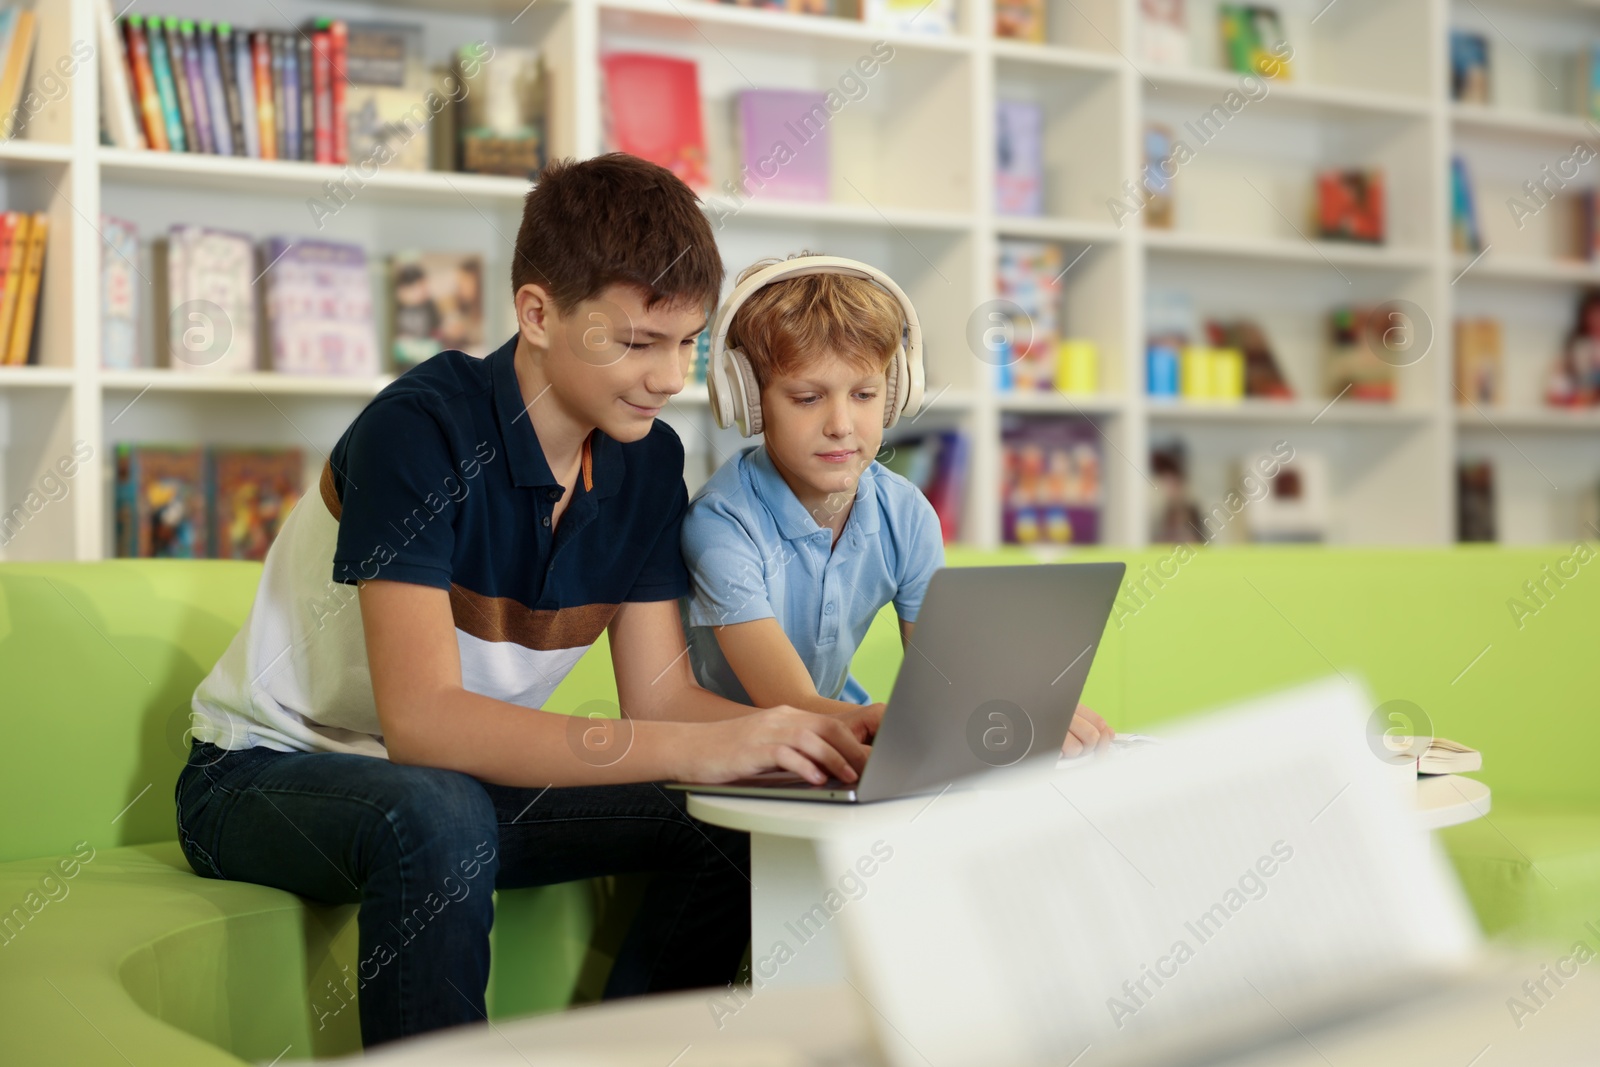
(244, 73)
(291, 99)
(216, 99)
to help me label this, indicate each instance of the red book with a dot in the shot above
(654, 112)
(266, 111)
(144, 85)
(339, 44)
(322, 93)
(8, 277)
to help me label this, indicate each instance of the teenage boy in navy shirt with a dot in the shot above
(796, 544)
(372, 734)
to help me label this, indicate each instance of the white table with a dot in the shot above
(786, 881)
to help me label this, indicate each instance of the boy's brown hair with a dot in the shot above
(784, 326)
(616, 219)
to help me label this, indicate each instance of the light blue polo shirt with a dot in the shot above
(755, 553)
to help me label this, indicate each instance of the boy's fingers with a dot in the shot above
(795, 763)
(833, 747)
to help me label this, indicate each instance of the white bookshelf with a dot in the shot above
(912, 193)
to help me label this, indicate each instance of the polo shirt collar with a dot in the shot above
(791, 517)
(523, 454)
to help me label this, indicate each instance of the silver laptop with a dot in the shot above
(988, 686)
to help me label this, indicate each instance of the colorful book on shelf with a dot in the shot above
(1051, 481)
(308, 102)
(19, 341)
(383, 53)
(261, 82)
(937, 464)
(14, 226)
(1253, 41)
(1475, 510)
(1021, 20)
(1029, 278)
(501, 119)
(1480, 363)
(436, 304)
(206, 301)
(1353, 369)
(225, 47)
(652, 110)
(1350, 205)
(319, 308)
(322, 96)
(160, 502)
(288, 44)
(17, 55)
(147, 95)
(1464, 234)
(1263, 377)
(119, 294)
(249, 493)
(1469, 67)
(1163, 33)
(117, 113)
(278, 51)
(1019, 158)
(244, 76)
(166, 84)
(199, 94)
(785, 133)
(182, 85)
(381, 125)
(795, 7)
(338, 46)
(216, 96)
(932, 17)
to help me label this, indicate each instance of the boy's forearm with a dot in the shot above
(688, 703)
(511, 745)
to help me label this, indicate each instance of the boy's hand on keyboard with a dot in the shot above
(864, 721)
(1088, 731)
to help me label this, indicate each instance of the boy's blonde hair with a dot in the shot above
(787, 325)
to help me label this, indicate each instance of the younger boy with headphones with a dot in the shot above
(796, 544)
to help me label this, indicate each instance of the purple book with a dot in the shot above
(1019, 166)
(319, 308)
(783, 135)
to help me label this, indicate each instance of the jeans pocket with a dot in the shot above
(195, 817)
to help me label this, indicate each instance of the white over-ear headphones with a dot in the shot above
(735, 396)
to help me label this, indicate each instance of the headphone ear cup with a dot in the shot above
(748, 402)
(895, 388)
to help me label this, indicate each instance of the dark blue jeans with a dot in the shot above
(418, 848)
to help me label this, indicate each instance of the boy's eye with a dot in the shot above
(869, 395)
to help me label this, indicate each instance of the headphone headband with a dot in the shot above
(723, 401)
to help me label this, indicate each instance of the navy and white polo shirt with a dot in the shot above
(441, 481)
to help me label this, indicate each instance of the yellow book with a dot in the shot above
(16, 69)
(28, 294)
(13, 256)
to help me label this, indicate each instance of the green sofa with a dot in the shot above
(112, 951)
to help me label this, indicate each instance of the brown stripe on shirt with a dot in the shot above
(330, 496)
(492, 618)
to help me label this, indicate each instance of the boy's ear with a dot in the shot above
(534, 311)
